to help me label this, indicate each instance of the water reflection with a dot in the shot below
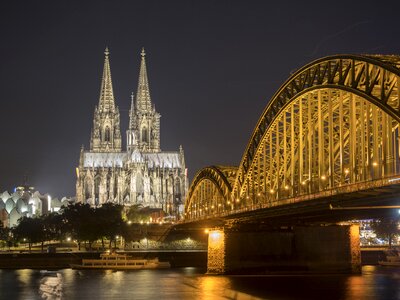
(51, 285)
(190, 283)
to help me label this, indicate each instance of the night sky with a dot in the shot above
(212, 65)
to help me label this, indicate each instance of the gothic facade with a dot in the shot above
(143, 174)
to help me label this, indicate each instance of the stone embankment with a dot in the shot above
(177, 258)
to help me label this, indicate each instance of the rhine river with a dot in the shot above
(190, 283)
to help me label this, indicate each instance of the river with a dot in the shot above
(190, 283)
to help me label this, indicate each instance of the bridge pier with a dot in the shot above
(333, 249)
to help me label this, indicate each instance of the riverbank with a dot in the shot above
(177, 258)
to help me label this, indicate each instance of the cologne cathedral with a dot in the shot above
(143, 174)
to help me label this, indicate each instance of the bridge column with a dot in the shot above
(216, 251)
(301, 249)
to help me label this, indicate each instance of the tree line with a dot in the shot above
(79, 222)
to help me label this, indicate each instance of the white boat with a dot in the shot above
(114, 261)
(392, 259)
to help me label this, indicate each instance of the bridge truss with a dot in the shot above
(332, 127)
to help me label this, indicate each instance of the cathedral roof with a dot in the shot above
(163, 159)
(104, 159)
(117, 159)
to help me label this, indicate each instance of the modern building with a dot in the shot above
(26, 201)
(143, 174)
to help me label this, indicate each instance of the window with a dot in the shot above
(107, 134)
(145, 137)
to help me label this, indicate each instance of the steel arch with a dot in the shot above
(221, 178)
(373, 77)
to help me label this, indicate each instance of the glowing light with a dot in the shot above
(238, 200)
(286, 187)
(215, 235)
(323, 177)
(303, 183)
(68, 239)
(206, 231)
(48, 202)
(247, 197)
(129, 222)
(374, 163)
(271, 191)
(258, 194)
(346, 171)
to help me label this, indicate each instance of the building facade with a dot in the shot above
(143, 174)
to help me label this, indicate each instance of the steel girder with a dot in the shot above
(210, 191)
(332, 127)
(374, 78)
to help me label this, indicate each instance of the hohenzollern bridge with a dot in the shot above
(326, 149)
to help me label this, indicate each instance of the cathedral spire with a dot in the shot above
(106, 133)
(132, 116)
(143, 100)
(106, 101)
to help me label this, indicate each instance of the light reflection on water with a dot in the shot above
(190, 283)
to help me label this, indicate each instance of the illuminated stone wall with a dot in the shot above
(330, 248)
(307, 249)
(216, 251)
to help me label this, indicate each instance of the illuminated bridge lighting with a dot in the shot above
(328, 130)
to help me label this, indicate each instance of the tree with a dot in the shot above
(30, 229)
(386, 228)
(80, 222)
(135, 214)
(4, 234)
(53, 226)
(110, 222)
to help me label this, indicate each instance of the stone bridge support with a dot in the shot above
(324, 249)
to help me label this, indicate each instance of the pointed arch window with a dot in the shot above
(97, 183)
(107, 134)
(145, 135)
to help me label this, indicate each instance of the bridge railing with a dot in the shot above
(345, 189)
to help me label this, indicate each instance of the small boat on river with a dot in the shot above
(115, 261)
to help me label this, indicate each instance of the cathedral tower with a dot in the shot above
(106, 133)
(143, 175)
(144, 124)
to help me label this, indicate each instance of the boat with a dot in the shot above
(115, 261)
(392, 259)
